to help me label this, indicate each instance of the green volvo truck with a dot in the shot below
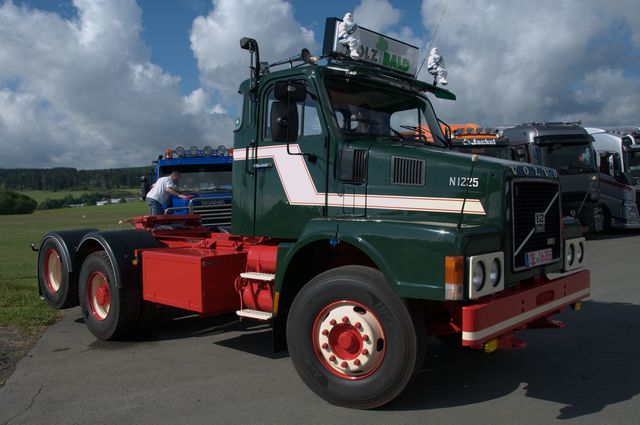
(354, 238)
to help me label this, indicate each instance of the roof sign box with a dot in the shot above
(372, 47)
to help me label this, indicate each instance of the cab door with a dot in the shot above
(290, 161)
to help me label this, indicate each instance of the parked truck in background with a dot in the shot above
(568, 149)
(618, 158)
(205, 177)
(354, 241)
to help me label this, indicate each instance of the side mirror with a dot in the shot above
(284, 122)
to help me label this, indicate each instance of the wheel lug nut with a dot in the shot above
(365, 337)
(357, 325)
(332, 358)
(344, 364)
(325, 346)
(345, 319)
(332, 322)
(325, 332)
(356, 362)
(365, 352)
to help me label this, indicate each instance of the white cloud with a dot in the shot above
(523, 61)
(376, 15)
(82, 92)
(215, 39)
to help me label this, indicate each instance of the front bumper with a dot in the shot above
(484, 321)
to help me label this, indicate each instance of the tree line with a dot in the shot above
(64, 178)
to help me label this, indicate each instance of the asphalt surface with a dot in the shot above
(220, 371)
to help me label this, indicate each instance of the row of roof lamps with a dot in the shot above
(194, 151)
(472, 130)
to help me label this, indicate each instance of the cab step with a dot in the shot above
(254, 314)
(267, 277)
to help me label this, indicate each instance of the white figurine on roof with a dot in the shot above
(435, 66)
(346, 30)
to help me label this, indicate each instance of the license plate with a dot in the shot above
(536, 258)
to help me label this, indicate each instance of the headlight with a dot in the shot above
(570, 254)
(207, 150)
(222, 151)
(579, 252)
(194, 151)
(477, 278)
(485, 274)
(179, 151)
(494, 272)
(574, 253)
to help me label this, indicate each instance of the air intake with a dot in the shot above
(407, 171)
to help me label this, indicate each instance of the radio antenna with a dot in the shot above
(432, 39)
(474, 158)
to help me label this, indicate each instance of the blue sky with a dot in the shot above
(82, 79)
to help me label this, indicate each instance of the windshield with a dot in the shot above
(567, 158)
(200, 179)
(363, 108)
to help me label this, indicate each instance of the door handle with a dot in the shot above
(260, 165)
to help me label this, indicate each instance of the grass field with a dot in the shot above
(43, 195)
(20, 305)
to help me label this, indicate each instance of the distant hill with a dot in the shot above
(70, 178)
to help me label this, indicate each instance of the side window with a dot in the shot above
(308, 116)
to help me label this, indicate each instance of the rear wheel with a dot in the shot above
(56, 284)
(109, 312)
(351, 339)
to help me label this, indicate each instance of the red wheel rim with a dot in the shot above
(98, 295)
(52, 270)
(349, 340)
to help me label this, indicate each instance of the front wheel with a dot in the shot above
(109, 312)
(351, 339)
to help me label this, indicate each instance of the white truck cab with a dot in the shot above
(618, 159)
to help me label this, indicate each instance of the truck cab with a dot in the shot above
(205, 177)
(618, 159)
(567, 148)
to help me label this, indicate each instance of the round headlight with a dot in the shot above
(579, 252)
(222, 151)
(179, 151)
(193, 150)
(570, 254)
(207, 150)
(477, 276)
(495, 272)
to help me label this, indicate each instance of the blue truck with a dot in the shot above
(206, 177)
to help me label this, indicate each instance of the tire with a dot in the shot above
(352, 340)
(58, 287)
(109, 312)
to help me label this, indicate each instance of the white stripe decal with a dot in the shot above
(478, 335)
(301, 190)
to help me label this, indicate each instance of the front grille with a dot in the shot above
(407, 171)
(213, 212)
(536, 223)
